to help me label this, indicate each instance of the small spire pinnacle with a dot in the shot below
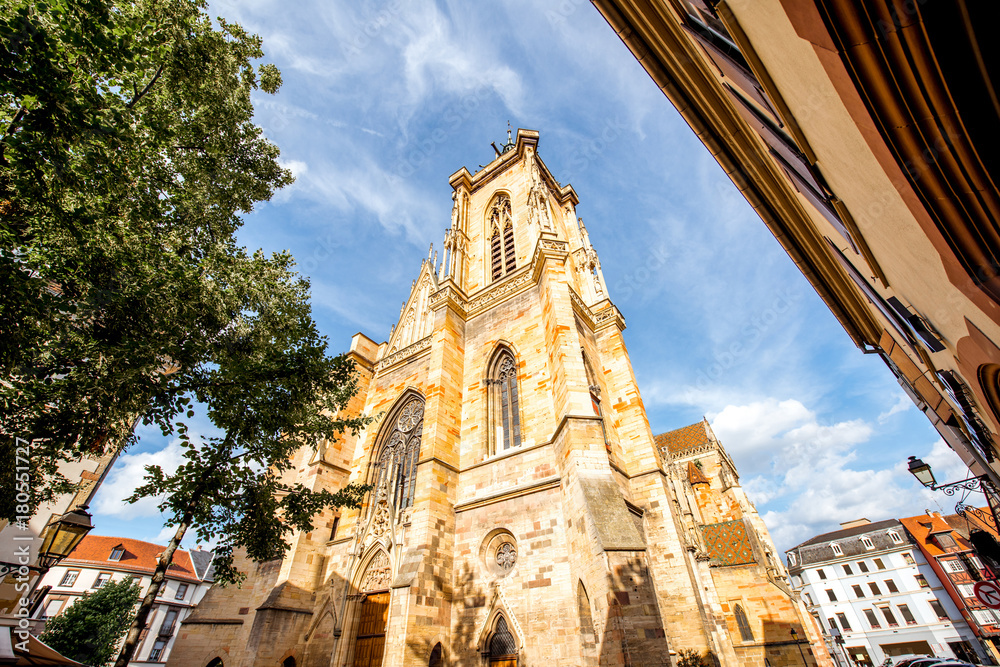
(510, 142)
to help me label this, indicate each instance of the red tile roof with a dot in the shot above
(683, 439)
(924, 527)
(139, 556)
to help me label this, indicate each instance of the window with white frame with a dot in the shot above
(157, 650)
(895, 537)
(102, 578)
(69, 578)
(938, 610)
(967, 590)
(953, 565)
(837, 551)
(53, 608)
(984, 616)
(117, 553)
(867, 541)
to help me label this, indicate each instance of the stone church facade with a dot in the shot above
(522, 511)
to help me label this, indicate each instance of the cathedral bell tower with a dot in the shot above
(520, 511)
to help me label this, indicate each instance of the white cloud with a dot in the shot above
(902, 404)
(127, 475)
(808, 477)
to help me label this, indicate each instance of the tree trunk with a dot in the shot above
(132, 639)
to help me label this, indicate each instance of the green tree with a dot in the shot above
(688, 657)
(89, 630)
(127, 155)
(271, 391)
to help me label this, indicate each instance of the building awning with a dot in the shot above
(37, 652)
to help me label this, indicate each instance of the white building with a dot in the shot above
(100, 559)
(868, 586)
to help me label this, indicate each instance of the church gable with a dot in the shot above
(416, 320)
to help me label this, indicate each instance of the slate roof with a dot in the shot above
(683, 439)
(818, 549)
(204, 566)
(139, 557)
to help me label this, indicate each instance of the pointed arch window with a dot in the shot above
(395, 472)
(503, 647)
(746, 634)
(504, 406)
(503, 258)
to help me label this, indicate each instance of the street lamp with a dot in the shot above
(922, 471)
(795, 638)
(62, 536)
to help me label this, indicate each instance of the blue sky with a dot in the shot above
(382, 102)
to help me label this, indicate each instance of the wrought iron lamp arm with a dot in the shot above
(981, 483)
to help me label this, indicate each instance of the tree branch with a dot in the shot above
(145, 90)
(10, 130)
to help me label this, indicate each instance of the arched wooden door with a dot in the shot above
(370, 643)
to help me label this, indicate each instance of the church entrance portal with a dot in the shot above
(371, 630)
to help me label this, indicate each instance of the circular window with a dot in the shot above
(499, 552)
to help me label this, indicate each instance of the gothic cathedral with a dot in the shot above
(522, 512)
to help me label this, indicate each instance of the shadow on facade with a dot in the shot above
(632, 634)
(782, 650)
(460, 647)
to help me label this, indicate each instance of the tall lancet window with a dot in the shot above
(505, 414)
(395, 473)
(501, 225)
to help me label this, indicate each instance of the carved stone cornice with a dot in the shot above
(581, 309)
(422, 345)
(513, 284)
(607, 317)
(451, 296)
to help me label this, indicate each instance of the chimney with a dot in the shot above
(855, 523)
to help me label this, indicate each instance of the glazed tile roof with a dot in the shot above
(727, 543)
(139, 556)
(695, 475)
(683, 439)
